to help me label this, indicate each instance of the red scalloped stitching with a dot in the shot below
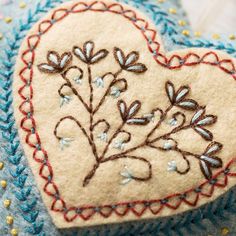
(138, 208)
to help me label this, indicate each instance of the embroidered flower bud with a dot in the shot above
(78, 80)
(167, 145)
(98, 81)
(172, 166)
(127, 175)
(65, 142)
(149, 116)
(65, 100)
(173, 122)
(103, 137)
(119, 144)
(115, 92)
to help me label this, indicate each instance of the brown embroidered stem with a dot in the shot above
(90, 175)
(163, 116)
(135, 158)
(69, 84)
(167, 135)
(77, 122)
(91, 112)
(108, 89)
(111, 139)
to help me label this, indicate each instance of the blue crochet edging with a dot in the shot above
(14, 155)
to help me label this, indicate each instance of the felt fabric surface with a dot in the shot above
(69, 168)
(42, 223)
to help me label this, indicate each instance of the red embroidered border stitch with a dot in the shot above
(189, 197)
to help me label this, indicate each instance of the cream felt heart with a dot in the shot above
(115, 129)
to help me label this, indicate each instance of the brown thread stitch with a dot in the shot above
(177, 98)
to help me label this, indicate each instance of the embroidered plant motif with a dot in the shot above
(130, 114)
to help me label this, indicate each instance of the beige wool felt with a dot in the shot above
(210, 87)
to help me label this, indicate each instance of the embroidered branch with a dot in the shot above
(129, 114)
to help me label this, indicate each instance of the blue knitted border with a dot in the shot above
(18, 170)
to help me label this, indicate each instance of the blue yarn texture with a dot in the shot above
(30, 214)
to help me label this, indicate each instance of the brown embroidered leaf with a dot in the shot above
(53, 58)
(79, 53)
(188, 104)
(119, 56)
(122, 109)
(198, 115)
(138, 121)
(99, 56)
(133, 109)
(207, 120)
(46, 68)
(206, 170)
(137, 68)
(170, 91)
(214, 162)
(65, 60)
(213, 148)
(206, 134)
(181, 93)
(131, 58)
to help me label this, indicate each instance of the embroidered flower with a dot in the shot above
(179, 98)
(56, 63)
(65, 142)
(65, 100)
(149, 116)
(87, 54)
(168, 145)
(199, 120)
(171, 166)
(115, 92)
(128, 114)
(208, 160)
(119, 144)
(127, 175)
(102, 137)
(173, 122)
(98, 81)
(78, 80)
(129, 62)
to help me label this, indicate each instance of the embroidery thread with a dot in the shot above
(129, 113)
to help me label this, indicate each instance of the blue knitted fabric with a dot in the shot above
(30, 214)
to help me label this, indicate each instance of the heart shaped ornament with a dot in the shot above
(114, 128)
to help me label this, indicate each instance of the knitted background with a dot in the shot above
(30, 215)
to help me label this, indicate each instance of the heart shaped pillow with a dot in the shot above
(114, 128)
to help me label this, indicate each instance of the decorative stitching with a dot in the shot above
(73, 212)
